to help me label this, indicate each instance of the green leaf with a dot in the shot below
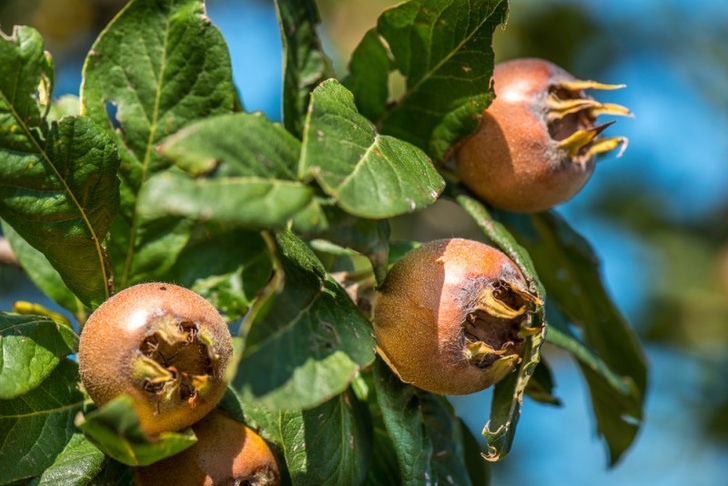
(478, 469)
(569, 269)
(305, 346)
(114, 473)
(235, 145)
(370, 175)
(368, 237)
(66, 105)
(77, 465)
(616, 400)
(115, 429)
(424, 430)
(59, 189)
(443, 49)
(36, 427)
(499, 235)
(500, 430)
(61, 197)
(157, 67)
(541, 386)
(42, 273)
(305, 64)
(158, 244)
(368, 77)
(30, 349)
(328, 445)
(249, 202)
(230, 284)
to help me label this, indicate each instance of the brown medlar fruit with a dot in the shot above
(162, 345)
(536, 143)
(226, 453)
(452, 315)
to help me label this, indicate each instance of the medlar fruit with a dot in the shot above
(162, 345)
(536, 143)
(452, 315)
(226, 453)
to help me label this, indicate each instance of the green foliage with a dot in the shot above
(157, 175)
(369, 175)
(30, 349)
(115, 429)
(59, 189)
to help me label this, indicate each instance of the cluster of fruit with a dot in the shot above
(451, 317)
(168, 349)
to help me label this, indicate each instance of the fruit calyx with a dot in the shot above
(496, 325)
(175, 360)
(571, 118)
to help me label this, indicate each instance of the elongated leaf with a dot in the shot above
(61, 198)
(569, 269)
(505, 410)
(305, 64)
(443, 49)
(115, 429)
(36, 427)
(500, 430)
(499, 235)
(250, 202)
(328, 445)
(616, 400)
(114, 473)
(230, 284)
(235, 145)
(368, 76)
(541, 386)
(368, 237)
(77, 465)
(424, 431)
(157, 67)
(30, 349)
(59, 189)
(370, 175)
(158, 242)
(307, 344)
(42, 273)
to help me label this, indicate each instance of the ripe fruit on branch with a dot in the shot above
(162, 345)
(452, 315)
(226, 452)
(536, 143)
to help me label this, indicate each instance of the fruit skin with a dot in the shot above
(120, 336)
(424, 310)
(521, 158)
(226, 453)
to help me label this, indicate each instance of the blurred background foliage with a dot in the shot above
(658, 215)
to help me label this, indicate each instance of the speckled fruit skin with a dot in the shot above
(226, 453)
(110, 343)
(511, 161)
(420, 309)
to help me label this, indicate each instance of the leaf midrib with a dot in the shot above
(66, 188)
(430, 73)
(147, 157)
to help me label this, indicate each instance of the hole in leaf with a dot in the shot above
(111, 111)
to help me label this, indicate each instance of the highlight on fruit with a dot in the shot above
(537, 143)
(226, 453)
(452, 316)
(164, 346)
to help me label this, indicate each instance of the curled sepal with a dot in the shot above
(580, 85)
